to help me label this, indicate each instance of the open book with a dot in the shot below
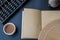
(33, 21)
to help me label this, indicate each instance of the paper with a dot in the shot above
(31, 23)
(48, 16)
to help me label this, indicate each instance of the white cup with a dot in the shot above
(6, 25)
(54, 3)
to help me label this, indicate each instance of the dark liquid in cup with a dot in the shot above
(9, 28)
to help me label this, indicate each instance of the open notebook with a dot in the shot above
(33, 21)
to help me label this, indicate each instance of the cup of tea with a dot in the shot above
(9, 29)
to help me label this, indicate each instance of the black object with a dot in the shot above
(8, 7)
(29, 39)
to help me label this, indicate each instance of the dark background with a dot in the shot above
(17, 18)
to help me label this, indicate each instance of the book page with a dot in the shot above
(48, 16)
(31, 23)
